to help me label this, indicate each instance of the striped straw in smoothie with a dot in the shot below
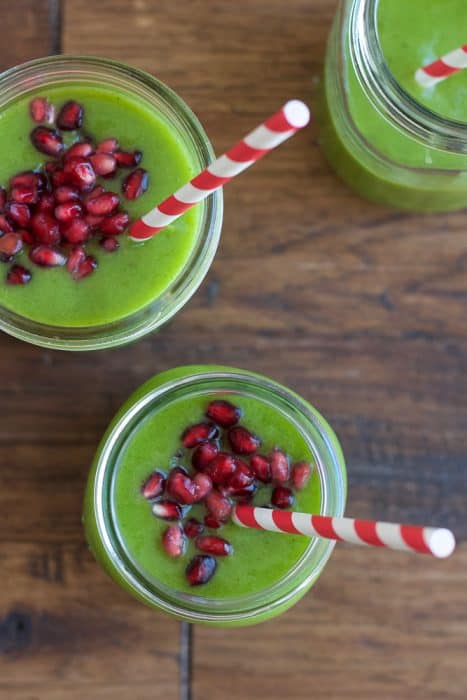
(442, 68)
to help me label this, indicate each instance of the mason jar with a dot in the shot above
(105, 519)
(126, 86)
(380, 131)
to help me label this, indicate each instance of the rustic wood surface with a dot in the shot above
(361, 309)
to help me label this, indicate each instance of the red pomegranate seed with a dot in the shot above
(196, 434)
(204, 454)
(115, 225)
(46, 202)
(10, 245)
(80, 172)
(5, 225)
(93, 221)
(108, 146)
(200, 570)
(218, 506)
(80, 149)
(47, 141)
(128, 159)
(70, 116)
(29, 179)
(95, 192)
(104, 164)
(154, 485)
(45, 228)
(242, 477)
(223, 413)
(65, 193)
(245, 494)
(216, 546)
(167, 510)
(203, 485)
(280, 467)
(47, 256)
(212, 522)
(60, 177)
(180, 487)
(27, 236)
(2, 198)
(85, 268)
(135, 184)
(109, 244)
(282, 497)
(261, 468)
(41, 110)
(301, 472)
(24, 194)
(242, 441)
(103, 204)
(221, 468)
(18, 275)
(75, 258)
(173, 541)
(193, 528)
(19, 213)
(68, 211)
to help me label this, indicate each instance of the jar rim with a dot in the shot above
(331, 469)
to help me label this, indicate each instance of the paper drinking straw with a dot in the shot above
(438, 542)
(441, 69)
(294, 115)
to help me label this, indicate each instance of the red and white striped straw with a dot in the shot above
(436, 541)
(441, 69)
(294, 115)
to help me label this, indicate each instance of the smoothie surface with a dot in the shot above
(138, 273)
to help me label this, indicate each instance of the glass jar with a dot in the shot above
(90, 71)
(385, 144)
(100, 521)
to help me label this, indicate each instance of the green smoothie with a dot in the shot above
(367, 143)
(138, 273)
(261, 561)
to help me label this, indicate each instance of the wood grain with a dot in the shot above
(29, 30)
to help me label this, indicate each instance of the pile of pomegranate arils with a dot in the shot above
(216, 479)
(58, 208)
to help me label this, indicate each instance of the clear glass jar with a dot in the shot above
(55, 70)
(379, 139)
(100, 521)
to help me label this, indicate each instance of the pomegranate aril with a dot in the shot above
(301, 472)
(29, 179)
(24, 194)
(80, 172)
(85, 268)
(193, 528)
(167, 510)
(27, 236)
(18, 275)
(108, 146)
(68, 211)
(217, 546)
(82, 149)
(280, 467)
(223, 413)
(203, 485)
(95, 192)
(135, 184)
(115, 224)
(10, 245)
(93, 221)
(204, 454)
(200, 570)
(219, 506)
(173, 541)
(109, 244)
(221, 468)
(196, 434)
(59, 177)
(103, 204)
(41, 110)
(45, 228)
(2, 198)
(75, 258)
(242, 477)
(47, 256)
(242, 441)
(180, 487)
(19, 213)
(261, 468)
(5, 224)
(46, 202)
(65, 193)
(211, 521)
(70, 116)
(282, 497)
(245, 494)
(154, 485)
(47, 141)
(104, 164)
(127, 159)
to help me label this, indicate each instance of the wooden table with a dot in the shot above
(361, 309)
